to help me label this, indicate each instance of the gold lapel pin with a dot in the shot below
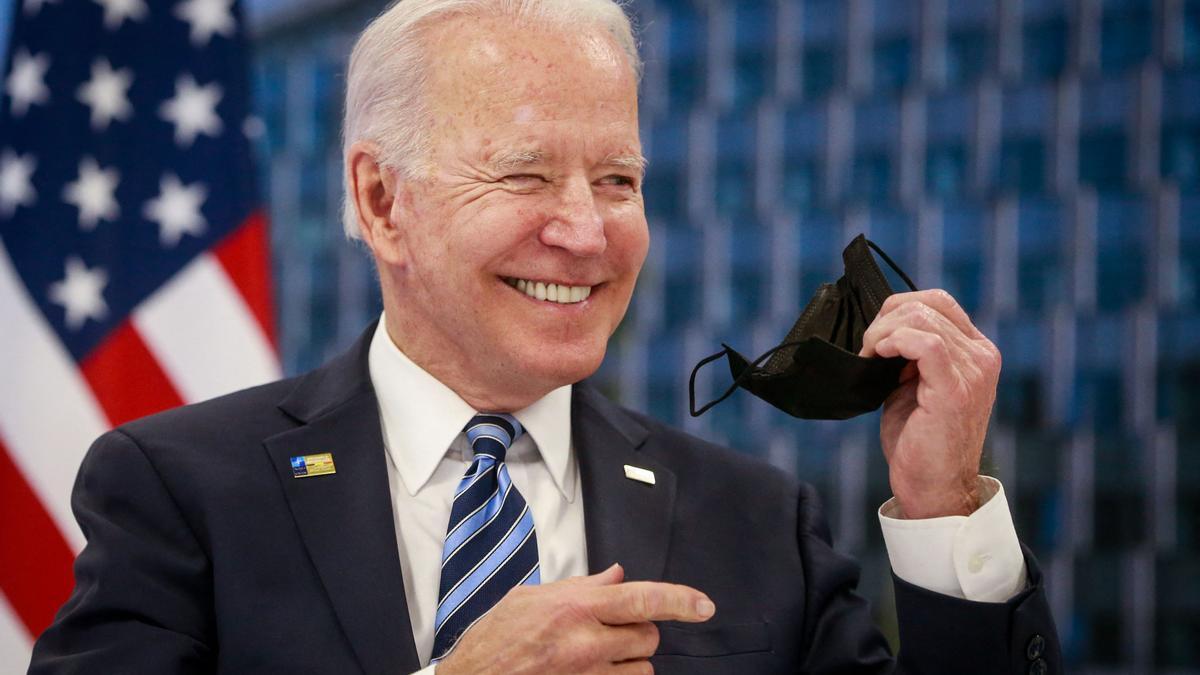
(305, 466)
(639, 474)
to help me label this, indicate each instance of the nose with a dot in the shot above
(576, 224)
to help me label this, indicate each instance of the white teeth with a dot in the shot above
(559, 293)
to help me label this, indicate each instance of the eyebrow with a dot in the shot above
(627, 160)
(508, 160)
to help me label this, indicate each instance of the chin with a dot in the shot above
(562, 365)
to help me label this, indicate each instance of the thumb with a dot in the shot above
(615, 574)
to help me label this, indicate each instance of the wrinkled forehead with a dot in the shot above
(497, 71)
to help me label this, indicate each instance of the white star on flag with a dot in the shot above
(32, 7)
(107, 94)
(193, 110)
(207, 17)
(93, 192)
(16, 186)
(176, 209)
(26, 84)
(116, 11)
(80, 293)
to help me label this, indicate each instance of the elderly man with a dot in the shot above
(448, 494)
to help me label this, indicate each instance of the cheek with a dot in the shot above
(629, 240)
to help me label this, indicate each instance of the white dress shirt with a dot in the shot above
(975, 557)
(428, 454)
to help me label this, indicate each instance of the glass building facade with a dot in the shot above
(1039, 159)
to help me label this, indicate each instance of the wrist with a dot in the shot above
(960, 500)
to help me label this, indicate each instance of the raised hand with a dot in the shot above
(933, 426)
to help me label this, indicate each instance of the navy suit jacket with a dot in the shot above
(204, 554)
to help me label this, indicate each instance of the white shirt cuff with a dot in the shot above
(427, 670)
(975, 557)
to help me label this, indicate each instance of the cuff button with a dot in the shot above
(1038, 667)
(1035, 648)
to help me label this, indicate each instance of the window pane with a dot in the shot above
(1119, 502)
(1102, 160)
(1125, 38)
(1044, 53)
(1181, 155)
(1177, 622)
(1122, 244)
(1040, 267)
(754, 32)
(271, 96)
(681, 276)
(1023, 165)
(967, 55)
(801, 183)
(1098, 615)
(893, 64)
(946, 171)
(314, 190)
(872, 176)
(749, 271)
(821, 71)
(1191, 33)
(735, 191)
(327, 108)
(963, 255)
(664, 192)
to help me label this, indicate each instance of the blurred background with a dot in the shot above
(1039, 159)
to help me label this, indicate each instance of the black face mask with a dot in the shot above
(816, 373)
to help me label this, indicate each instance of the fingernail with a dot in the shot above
(705, 608)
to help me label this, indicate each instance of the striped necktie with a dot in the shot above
(490, 543)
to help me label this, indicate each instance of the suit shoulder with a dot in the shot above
(253, 410)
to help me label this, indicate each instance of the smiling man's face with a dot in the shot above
(521, 251)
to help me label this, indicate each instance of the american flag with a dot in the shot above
(133, 255)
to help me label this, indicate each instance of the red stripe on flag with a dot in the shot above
(126, 378)
(246, 256)
(35, 559)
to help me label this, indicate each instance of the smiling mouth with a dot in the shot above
(560, 293)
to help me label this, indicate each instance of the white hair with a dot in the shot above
(387, 73)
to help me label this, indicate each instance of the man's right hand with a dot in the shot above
(594, 624)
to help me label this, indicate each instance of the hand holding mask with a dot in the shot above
(816, 372)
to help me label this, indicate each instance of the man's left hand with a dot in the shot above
(933, 425)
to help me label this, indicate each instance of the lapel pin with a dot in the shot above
(639, 474)
(304, 466)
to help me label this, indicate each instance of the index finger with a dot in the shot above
(939, 300)
(640, 601)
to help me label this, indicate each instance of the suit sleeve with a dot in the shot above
(143, 597)
(938, 633)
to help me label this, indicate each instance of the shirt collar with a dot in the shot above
(422, 417)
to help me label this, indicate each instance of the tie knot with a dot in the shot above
(493, 434)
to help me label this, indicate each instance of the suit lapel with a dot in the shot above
(345, 518)
(627, 521)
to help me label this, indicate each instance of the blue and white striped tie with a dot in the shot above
(490, 543)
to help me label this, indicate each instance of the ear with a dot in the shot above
(373, 191)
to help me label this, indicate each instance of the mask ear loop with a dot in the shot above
(894, 266)
(737, 381)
